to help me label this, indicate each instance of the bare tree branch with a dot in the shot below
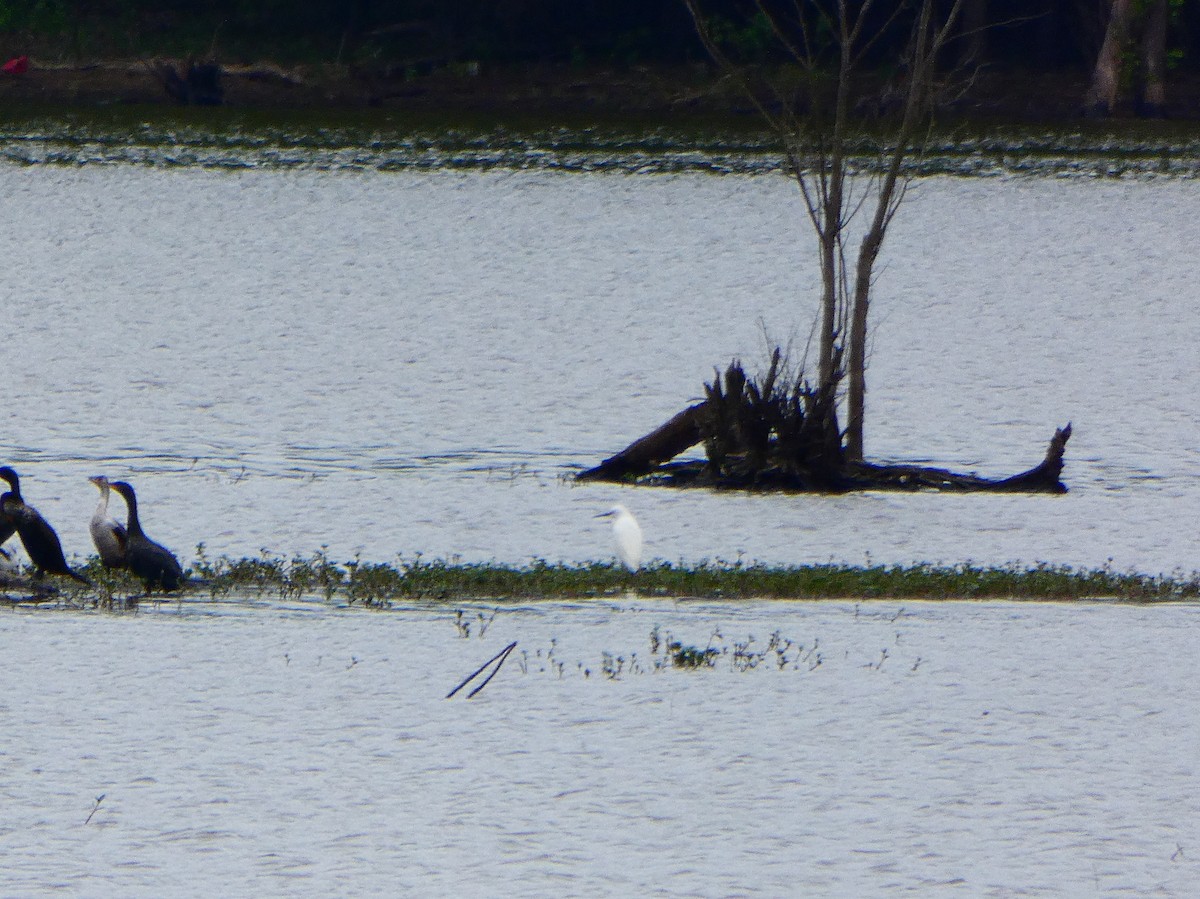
(817, 144)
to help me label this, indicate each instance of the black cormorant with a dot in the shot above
(40, 542)
(107, 534)
(8, 527)
(149, 561)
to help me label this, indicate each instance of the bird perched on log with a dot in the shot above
(39, 539)
(107, 534)
(151, 562)
(628, 535)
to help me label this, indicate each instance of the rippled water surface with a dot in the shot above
(936, 749)
(412, 362)
(402, 362)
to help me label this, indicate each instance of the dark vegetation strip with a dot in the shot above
(232, 139)
(358, 582)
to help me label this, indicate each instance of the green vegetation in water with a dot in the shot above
(379, 585)
(692, 656)
(777, 653)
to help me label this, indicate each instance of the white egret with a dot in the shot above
(628, 535)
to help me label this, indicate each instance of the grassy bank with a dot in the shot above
(390, 140)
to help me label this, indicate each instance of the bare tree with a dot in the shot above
(825, 46)
(822, 94)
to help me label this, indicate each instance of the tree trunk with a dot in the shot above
(828, 240)
(856, 362)
(927, 40)
(1106, 77)
(1154, 61)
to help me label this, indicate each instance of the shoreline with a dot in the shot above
(668, 94)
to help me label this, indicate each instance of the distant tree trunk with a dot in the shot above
(1154, 60)
(1136, 35)
(1106, 76)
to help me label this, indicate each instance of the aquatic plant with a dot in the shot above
(692, 656)
(544, 661)
(743, 655)
(463, 623)
(95, 808)
(379, 585)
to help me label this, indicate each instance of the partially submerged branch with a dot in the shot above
(661, 445)
(1045, 477)
(775, 433)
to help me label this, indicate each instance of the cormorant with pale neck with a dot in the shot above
(39, 539)
(151, 562)
(107, 534)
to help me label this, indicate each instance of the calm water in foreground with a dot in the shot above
(940, 749)
(394, 363)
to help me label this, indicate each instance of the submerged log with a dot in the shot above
(647, 460)
(1042, 478)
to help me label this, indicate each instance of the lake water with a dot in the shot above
(402, 362)
(956, 749)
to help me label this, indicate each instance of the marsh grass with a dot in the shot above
(666, 653)
(692, 656)
(380, 585)
(777, 653)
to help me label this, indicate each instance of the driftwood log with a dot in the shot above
(648, 460)
(658, 447)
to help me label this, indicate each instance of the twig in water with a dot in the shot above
(498, 658)
(95, 807)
